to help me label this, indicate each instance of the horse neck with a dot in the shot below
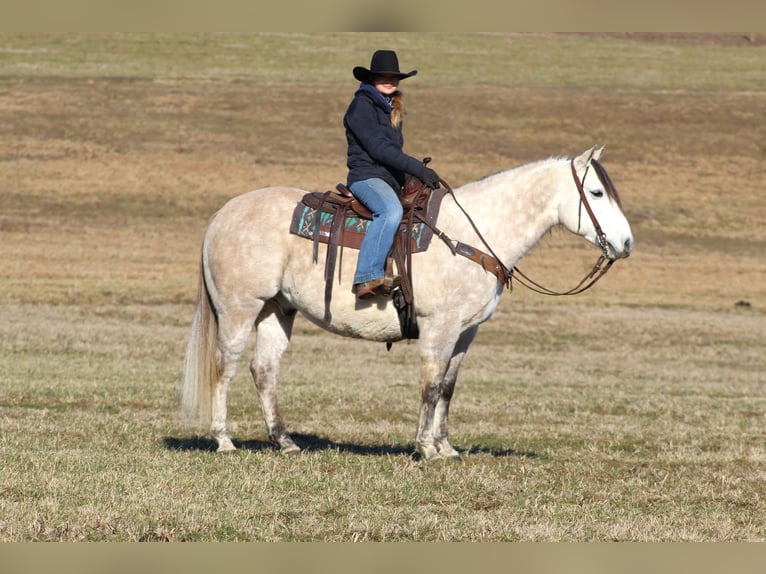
(512, 209)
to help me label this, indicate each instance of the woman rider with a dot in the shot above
(376, 163)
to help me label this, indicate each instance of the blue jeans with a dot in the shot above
(386, 209)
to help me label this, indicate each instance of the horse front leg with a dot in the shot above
(431, 375)
(434, 362)
(273, 333)
(441, 411)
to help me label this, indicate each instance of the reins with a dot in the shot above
(505, 275)
(603, 264)
(488, 261)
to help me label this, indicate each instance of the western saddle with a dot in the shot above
(421, 205)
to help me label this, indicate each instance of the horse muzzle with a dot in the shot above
(619, 251)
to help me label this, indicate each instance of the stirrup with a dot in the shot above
(376, 286)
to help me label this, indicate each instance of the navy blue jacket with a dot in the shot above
(374, 145)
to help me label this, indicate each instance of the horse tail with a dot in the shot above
(202, 366)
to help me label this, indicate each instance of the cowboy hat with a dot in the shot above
(383, 62)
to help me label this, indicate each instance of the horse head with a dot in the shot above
(591, 207)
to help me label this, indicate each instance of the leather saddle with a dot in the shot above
(333, 210)
(414, 196)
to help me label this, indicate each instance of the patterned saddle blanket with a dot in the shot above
(318, 209)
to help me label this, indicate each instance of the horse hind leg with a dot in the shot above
(233, 334)
(272, 336)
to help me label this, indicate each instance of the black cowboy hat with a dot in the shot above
(383, 62)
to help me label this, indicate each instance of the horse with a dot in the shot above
(254, 274)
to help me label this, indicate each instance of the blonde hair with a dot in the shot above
(397, 109)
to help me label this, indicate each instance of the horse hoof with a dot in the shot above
(292, 449)
(226, 448)
(435, 456)
(429, 452)
(443, 458)
(446, 450)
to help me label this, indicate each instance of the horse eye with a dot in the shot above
(597, 193)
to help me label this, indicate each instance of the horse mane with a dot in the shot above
(521, 166)
(603, 176)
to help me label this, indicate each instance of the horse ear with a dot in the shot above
(582, 160)
(597, 153)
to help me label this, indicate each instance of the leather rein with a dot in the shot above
(491, 262)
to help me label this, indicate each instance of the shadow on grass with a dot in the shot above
(311, 442)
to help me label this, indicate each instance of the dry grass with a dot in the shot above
(633, 412)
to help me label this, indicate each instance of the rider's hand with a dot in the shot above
(430, 178)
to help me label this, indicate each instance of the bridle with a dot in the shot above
(600, 235)
(602, 265)
(506, 275)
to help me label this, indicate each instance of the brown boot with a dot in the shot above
(376, 286)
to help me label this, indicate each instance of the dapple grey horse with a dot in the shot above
(255, 274)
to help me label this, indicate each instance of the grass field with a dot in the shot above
(636, 411)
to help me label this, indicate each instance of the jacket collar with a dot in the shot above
(379, 98)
